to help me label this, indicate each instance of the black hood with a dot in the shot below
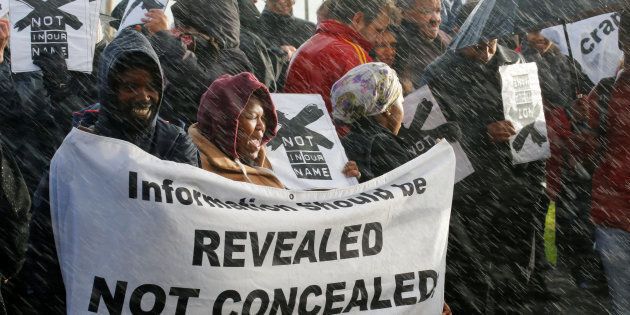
(249, 14)
(128, 45)
(216, 18)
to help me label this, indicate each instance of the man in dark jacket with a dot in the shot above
(283, 33)
(254, 47)
(420, 40)
(497, 204)
(211, 32)
(131, 87)
(15, 203)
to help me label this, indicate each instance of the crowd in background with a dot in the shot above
(199, 93)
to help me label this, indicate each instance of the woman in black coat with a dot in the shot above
(369, 100)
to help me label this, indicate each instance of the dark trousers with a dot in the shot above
(491, 256)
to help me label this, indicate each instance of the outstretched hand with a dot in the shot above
(351, 170)
(501, 131)
(4, 37)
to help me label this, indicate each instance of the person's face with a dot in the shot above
(137, 95)
(385, 48)
(538, 42)
(282, 7)
(251, 128)
(482, 52)
(370, 31)
(426, 14)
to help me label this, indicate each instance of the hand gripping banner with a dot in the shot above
(136, 234)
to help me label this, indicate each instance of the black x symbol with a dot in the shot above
(297, 127)
(47, 8)
(537, 137)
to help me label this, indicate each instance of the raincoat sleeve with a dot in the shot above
(9, 97)
(14, 215)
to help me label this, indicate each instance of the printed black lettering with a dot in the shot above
(230, 248)
(306, 248)
(281, 246)
(323, 254)
(100, 290)
(359, 297)
(423, 276)
(280, 302)
(183, 196)
(251, 297)
(377, 303)
(135, 302)
(167, 185)
(375, 229)
(146, 191)
(217, 308)
(183, 294)
(209, 249)
(346, 239)
(310, 290)
(133, 185)
(402, 288)
(259, 254)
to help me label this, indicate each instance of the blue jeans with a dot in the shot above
(614, 248)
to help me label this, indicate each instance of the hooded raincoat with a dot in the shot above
(216, 132)
(160, 139)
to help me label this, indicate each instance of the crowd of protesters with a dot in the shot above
(199, 93)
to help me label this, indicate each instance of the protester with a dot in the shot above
(284, 33)
(466, 84)
(369, 99)
(323, 12)
(385, 48)
(131, 86)
(420, 40)
(340, 44)
(211, 32)
(15, 204)
(610, 212)
(568, 184)
(254, 47)
(236, 119)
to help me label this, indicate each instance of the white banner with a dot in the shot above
(522, 105)
(594, 43)
(137, 8)
(4, 7)
(40, 26)
(306, 153)
(135, 233)
(422, 109)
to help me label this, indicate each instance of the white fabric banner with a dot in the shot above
(306, 153)
(135, 233)
(4, 7)
(40, 26)
(523, 106)
(430, 116)
(137, 8)
(594, 43)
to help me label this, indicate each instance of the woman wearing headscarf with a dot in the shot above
(369, 100)
(236, 118)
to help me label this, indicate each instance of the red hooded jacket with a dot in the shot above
(325, 58)
(611, 181)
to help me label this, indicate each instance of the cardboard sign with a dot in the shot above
(306, 153)
(523, 106)
(40, 26)
(137, 8)
(422, 115)
(135, 234)
(594, 43)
